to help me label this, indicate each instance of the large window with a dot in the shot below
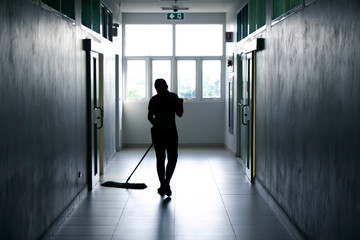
(199, 40)
(188, 56)
(148, 40)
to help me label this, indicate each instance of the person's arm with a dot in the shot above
(180, 107)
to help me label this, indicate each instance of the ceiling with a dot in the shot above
(136, 6)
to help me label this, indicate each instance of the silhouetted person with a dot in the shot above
(162, 109)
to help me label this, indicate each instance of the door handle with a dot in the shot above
(242, 114)
(101, 117)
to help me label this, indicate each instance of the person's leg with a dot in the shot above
(172, 155)
(160, 161)
(172, 152)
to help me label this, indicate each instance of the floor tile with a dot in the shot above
(212, 199)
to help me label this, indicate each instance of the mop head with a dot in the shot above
(124, 185)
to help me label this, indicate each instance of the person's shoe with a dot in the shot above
(161, 191)
(167, 191)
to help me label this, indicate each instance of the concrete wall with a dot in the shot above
(307, 117)
(43, 116)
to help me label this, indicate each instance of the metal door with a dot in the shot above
(246, 113)
(96, 114)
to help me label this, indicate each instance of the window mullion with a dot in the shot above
(148, 77)
(198, 79)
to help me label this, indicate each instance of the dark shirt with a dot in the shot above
(162, 109)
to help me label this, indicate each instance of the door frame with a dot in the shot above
(95, 167)
(252, 47)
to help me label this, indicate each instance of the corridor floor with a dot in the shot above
(212, 200)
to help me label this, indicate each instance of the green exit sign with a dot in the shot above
(175, 16)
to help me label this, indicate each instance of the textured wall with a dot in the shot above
(43, 117)
(308, 114)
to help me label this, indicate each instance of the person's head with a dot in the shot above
(161, 85)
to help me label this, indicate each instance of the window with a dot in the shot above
(90, 15)
(251, 18)
(257, 13)
(186, 72)
(136, 79)
(211, 79)
(66, 7)
(282, 6)
(206, 40)
(148, 40)
(191, 64)
(161, 69)
(242, 23)
(106, 22)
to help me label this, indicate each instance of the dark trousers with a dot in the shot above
(165, 144)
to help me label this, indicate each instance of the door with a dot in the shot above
(95, 116)
(246, 117)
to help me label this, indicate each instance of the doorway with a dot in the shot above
(246, 112)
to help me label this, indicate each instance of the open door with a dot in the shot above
(95, 118)
(246, 117)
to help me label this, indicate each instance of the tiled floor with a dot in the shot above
(212, 200)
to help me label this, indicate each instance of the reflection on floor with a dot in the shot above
(212, 200)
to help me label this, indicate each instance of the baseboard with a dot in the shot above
(50, 232)
(291, 227)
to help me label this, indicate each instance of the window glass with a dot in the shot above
(282, 6)
(136, 79)
(66, 7)
(211, 78)
(199, 40)
(186, 76)
(242, 23)
(161, 69)
(148, 40)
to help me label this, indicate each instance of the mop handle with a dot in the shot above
(139, 163)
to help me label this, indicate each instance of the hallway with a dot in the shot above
(212, 200)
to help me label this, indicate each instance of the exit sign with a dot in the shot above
(175, 16)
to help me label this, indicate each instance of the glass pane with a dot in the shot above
(136, 79)
(86, 13)
(252, 16)
(186, 77)
(199, 40)
(245, 21)
(278, 8)
(148, 40)
(239, 26)
(68, 8)
(211, 78)
(161, 69)
(260, 13)
(95, 15)
(55, 4)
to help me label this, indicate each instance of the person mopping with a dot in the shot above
(161, 114)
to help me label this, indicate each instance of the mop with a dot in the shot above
(127, 184)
